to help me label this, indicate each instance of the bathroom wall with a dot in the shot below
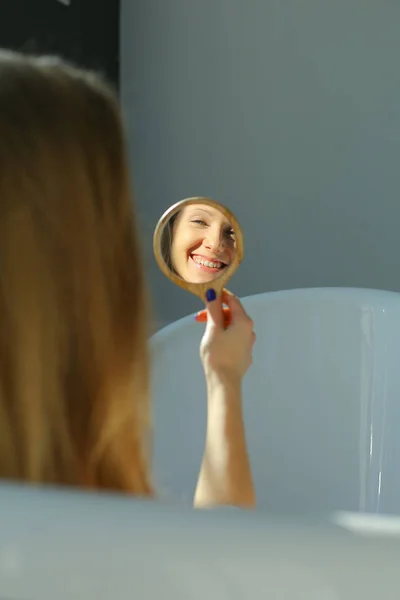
(289, 113)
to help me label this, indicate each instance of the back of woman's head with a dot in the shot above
(73, 362)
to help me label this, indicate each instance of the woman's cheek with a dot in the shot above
(191, 241)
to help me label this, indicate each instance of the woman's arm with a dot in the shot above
(225, 476)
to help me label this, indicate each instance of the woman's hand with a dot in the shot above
(227, 344)
(201, 317)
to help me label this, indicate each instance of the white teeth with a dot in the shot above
(208, 263)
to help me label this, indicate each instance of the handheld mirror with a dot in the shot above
(198, 244)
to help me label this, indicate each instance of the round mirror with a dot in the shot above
(198, 244)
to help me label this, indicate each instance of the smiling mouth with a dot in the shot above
(208, 265)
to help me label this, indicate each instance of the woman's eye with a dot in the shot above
(199, 222)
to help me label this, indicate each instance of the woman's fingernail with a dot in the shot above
(211, 295)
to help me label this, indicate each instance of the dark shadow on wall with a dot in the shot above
(85, 32)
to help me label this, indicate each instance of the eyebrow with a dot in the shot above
(209, 213)
(194, 210)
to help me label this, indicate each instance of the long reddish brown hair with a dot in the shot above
(74, 397)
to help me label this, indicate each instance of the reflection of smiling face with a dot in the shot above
(203, 243)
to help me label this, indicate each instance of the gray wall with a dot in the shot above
(288, 111)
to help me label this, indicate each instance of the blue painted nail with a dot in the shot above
(211, 295)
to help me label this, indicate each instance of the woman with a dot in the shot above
(199, 243)
(74, 370)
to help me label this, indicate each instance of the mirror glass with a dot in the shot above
(197, 242)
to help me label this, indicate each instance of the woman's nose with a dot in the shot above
(214, 241)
